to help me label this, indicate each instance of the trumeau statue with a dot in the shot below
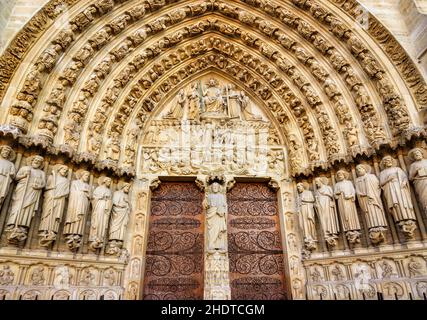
(307, 216)
(346, 198)
(25, 201)
(418, 175)
(78, 207)
(7, 171)
(395, 184)
(102, 205)
(369, 195)
(57, 189)
(216, 210)
(119, 219)
(325, 206)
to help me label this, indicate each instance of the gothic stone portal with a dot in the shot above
(254, 243)
(174, 260)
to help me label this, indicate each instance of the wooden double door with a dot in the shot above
(175, 257)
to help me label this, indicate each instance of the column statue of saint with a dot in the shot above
(7, 171)
(26, 198)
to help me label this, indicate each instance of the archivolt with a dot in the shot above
(311, 63)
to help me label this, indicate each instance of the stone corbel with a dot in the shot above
(8, 129)
(201, 182)
(274, 184)
(219, 177)
(230, 183)
(155, 183)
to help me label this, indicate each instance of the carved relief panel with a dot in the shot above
(211, 124)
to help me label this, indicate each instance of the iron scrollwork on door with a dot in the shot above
(254, 243)
(174, 259)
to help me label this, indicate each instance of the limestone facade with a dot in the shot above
(104, 100)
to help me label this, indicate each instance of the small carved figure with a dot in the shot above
(212, 98)
(110, 277)
(415, 268)
(37, 276)
(177, 111)
(193, 98)
(6, 276)
(112, 151)
(62, 277)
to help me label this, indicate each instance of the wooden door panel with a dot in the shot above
(174, 258)
(254, 243)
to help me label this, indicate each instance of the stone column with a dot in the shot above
(137, 234)
(217, 270)
(292, 240)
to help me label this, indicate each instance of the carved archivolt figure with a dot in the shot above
(113, 147)
(369, 195)
(102, 204)
(418, 175)
(346, 197)
(119, 219)
(7, 171)
(216, 210)
(57, 189)
(325, 206)
(78, 207)
(307, 216)
(394, 182)
(25, 201)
